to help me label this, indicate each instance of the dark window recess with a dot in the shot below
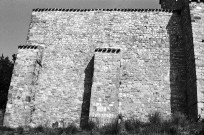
(202, 40)
(113, 50)
(197, 17)
(118, 50)
(107, 50)
(104, 50)
(96, 50)
(192, 20)
(99, 50)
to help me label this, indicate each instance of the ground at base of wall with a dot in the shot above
(86, 133)
(178, 125)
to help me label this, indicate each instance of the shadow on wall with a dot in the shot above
(179, 67)
(1, 116)
(182, 71)
(87, 93)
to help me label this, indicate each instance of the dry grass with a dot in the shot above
(177, 125)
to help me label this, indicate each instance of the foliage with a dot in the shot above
(71, 129)
(155, 118)
(6, 129)
(177, 125)
(133, 125)
(20, 130)
(6, 68)
(110, 128)
(45, 130)
(38, 129)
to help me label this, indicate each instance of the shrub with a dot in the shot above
(179, 119)
(91, 125)
(49, 131)
(44, 130)
(180, 123)
(167, 127)
(19, 130)
(150, 129)
(196, 128)
(39, 129)
(157, 125)
(58, 131)
(6, 129)
(110, 128)
(155, 118)
(133, 125)
(52, 131)
(71, 129)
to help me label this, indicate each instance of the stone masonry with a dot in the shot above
(197, 19)
(104, 101)
(82, 64)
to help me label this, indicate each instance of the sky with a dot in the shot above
(15, 16)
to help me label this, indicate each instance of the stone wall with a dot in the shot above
(189, 64)
(197, 19)
(193, 38)
(190, 61)
(104, 97)
(152, 66)
(151, 63)
(18, 105)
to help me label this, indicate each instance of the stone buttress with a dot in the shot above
(104, 97)
(19, 106)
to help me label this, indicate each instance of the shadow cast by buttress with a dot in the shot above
(88, 81)
(182, 66)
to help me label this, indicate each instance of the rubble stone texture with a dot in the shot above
(98, 63)
(105, 89)
(197, 19)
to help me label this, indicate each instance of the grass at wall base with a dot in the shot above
(177, 125)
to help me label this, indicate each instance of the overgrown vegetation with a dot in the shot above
(6, 68)
(178, 124)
